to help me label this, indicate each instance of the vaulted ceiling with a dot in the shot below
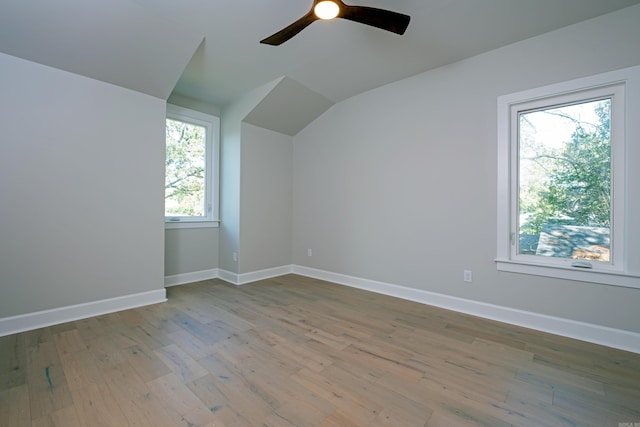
(209, 50)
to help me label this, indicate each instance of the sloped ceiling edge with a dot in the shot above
(288, 108)
(117, 42)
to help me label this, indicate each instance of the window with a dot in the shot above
(191, 169)
(565, 193)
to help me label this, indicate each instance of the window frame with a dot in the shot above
(212, 165)
(624, 269)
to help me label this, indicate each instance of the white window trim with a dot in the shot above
(615, 92)
(212, 168)
(625, 271)
(186, 223)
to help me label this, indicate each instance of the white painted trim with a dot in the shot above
(264, 274)
(194, 276)
(612, 278)
(41, 319)
(254, 276)
(610, 337)
(623, 86)
(228, 277)
(173, 225)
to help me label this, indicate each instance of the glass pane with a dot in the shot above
(564, 194)
(184, 175)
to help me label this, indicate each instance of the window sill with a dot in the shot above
(571, 273)
(171, 225)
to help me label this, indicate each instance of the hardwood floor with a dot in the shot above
(294, 351)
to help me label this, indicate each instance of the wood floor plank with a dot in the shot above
(182, 405)
(138, 404)
(594, 407)
(536, 373)
(361, 410)
(302, 355)
(380, 360)
(45, 421)
(297, 351)
(106, 354)
(145, 362)
(69, 342)
(96, 407)
(150, 336)
(15, 407)
(468, 381)
(65, 417)
(88, 329)
(48, 388)
(222, 392)
(194, 347)
(340, 419)
(263, 377)
(180, 363)
(36, 337)
(81, 369)
(209, 333)
(296, 413)
(403, 412)
(13, 359)
(160, 316)
(409, 414)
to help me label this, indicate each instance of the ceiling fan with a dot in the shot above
(329, 9)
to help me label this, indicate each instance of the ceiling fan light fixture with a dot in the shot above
(326, 9)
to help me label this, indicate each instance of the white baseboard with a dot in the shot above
(195, 276)
(254, 276)
(41, 319)
(228, 276)
(610, 337)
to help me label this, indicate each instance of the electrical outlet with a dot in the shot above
(309, 252)
(468, 276)
(235, 256)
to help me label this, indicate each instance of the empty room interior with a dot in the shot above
(408, 213)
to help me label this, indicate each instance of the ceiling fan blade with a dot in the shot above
(379, 18)
(290, 31)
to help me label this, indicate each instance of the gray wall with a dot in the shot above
(81, 211)
(399, 184)
(266, 199)
(230, 174)
(188, 250)
(255, 202)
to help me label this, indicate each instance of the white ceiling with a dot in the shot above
(116, 41)
(146, 44)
